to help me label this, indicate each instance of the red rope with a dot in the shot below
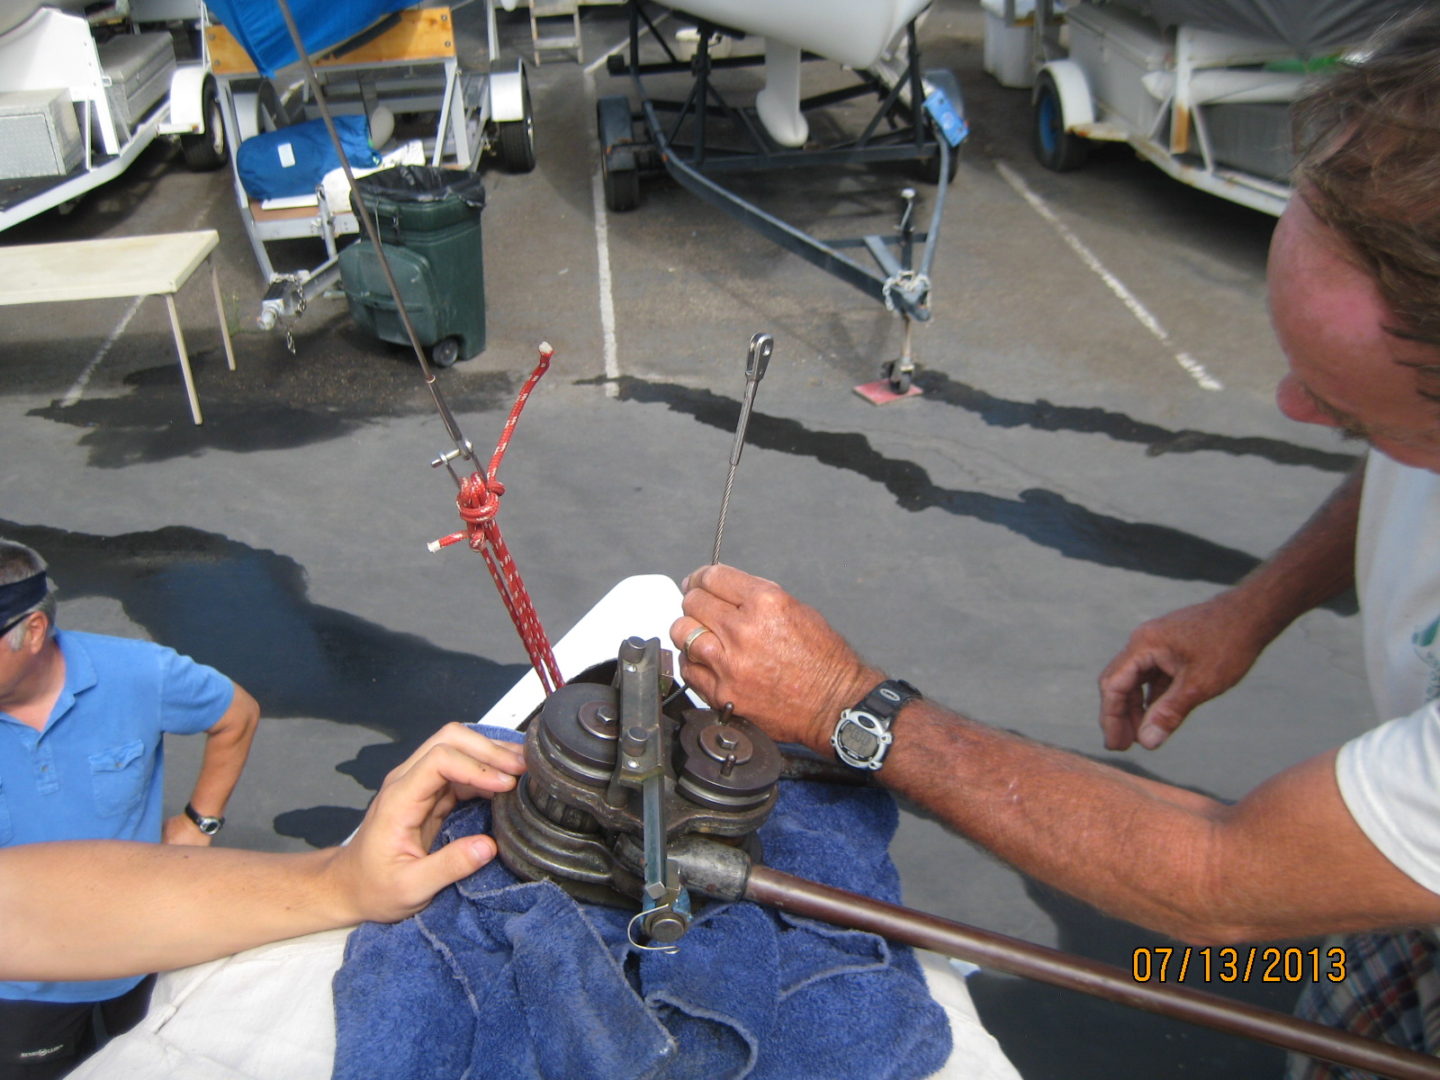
(479, 504)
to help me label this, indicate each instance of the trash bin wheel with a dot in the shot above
(445, 352)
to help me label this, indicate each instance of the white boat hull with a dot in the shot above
(853, 32)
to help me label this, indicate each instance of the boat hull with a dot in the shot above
(853, 32)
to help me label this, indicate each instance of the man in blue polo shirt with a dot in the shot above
(82, 725)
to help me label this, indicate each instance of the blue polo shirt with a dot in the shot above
(96, 771)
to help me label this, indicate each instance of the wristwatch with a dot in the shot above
(208, 825)
(862, 737)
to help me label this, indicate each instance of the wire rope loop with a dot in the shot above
(906, 281)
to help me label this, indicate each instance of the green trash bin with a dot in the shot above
(428, 220)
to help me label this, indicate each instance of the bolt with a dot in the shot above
(634, 742)
(665, 928)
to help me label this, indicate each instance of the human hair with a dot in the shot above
(1368, 166)
(18, 562)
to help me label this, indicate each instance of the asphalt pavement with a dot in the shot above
(1096, 443)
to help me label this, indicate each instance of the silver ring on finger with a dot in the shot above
(691, 638)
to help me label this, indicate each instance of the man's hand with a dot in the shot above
(1172, 665)
(181, 830)
(387, 871)
(775, 659)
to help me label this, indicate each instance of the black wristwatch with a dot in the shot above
(208, 825)
(862, 737)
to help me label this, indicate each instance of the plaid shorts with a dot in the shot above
(1391, 992)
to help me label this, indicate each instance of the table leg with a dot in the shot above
(220, 312)
(184, 358)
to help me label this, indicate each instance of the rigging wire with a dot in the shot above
(478, 500)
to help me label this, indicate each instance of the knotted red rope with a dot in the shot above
(479, 504)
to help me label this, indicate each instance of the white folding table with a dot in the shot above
(112, 268)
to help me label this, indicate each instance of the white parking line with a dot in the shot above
(1191, 366)
(77, 388)
(602, 230)
(602, 260)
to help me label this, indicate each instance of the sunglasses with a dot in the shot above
(14, 623)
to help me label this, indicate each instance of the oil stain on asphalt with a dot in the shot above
(273, 401)
(1043, 517)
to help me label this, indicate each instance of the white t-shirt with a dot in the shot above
(1390, 776)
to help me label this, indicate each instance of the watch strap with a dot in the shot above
(861, 737)
(888, 698)
(207, 825)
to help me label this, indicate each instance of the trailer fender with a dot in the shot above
(1076, 104)
(187, 98)
(507, 94)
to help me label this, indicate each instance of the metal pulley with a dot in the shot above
(619, 771)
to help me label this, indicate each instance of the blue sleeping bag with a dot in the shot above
(293, 160)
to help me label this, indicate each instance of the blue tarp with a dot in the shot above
(259, 26)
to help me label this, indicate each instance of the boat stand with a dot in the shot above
(702, 138)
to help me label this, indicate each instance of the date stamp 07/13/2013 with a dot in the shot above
(1238, 964)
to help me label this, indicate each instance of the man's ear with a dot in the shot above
(37, 629)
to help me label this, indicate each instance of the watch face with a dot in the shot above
(861, 739)
(858, 741)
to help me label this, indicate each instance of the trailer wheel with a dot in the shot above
(619, 166)
(516, 139)
(622, 186)
(897, 375)
(208, 150)
(1055, 148)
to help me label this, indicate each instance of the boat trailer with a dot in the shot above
(703, 138)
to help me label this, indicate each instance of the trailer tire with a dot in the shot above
(1055, 148)
(619, 166)
(209, 149)
(516, 139)
(897, 375)
(622, 186)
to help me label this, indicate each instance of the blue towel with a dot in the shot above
(501, 978)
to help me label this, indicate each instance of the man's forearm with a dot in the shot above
(227, 747)
(1129, 846)
(1286, 861)
(102, 909)
(1314, 565)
